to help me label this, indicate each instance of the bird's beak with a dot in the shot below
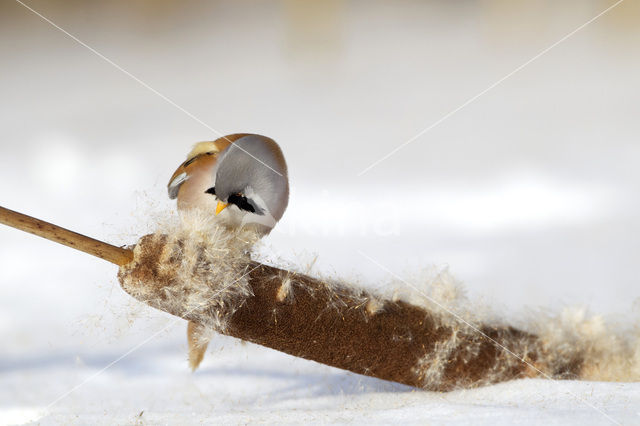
(221, 206)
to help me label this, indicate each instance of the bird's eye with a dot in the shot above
(211, 191)
(242, 202)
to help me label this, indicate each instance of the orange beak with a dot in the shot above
(221, 206)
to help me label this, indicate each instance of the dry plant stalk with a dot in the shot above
(113, 254)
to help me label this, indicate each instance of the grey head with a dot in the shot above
(251, 182)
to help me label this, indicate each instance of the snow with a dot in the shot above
(529, 195)
(247, 384)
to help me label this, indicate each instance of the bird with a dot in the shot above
(242, 181)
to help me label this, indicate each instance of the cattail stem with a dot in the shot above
(117, 255)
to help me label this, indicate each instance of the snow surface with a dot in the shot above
(529, 195)
(245, 384)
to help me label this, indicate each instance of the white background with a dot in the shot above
(529, 195)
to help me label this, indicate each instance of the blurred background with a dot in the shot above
(528, 195)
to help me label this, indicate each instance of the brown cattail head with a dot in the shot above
(207, 277)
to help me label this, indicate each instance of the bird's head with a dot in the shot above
(251, 184)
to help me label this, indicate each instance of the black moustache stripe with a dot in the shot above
(242, 202)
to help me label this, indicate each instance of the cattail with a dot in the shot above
(206, 275)
(210, 279)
